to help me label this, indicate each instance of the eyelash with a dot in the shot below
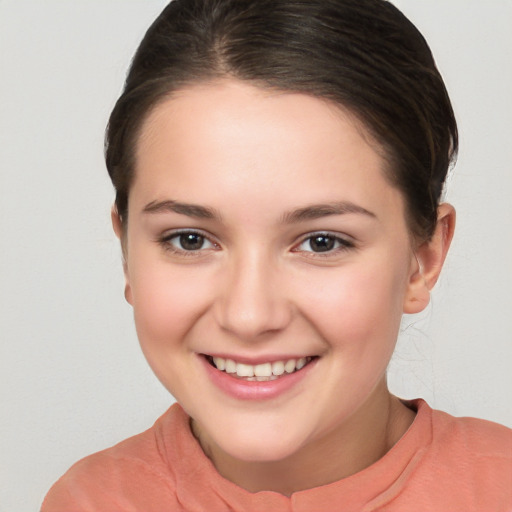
(339, 244)
(166, 242)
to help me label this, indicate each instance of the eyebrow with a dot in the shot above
(310, 212)
(317, 211)
(190, 210)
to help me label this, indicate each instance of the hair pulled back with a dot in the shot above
(363, 55)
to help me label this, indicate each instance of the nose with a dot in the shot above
(252, 301)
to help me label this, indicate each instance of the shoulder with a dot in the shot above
(471, 436)
(465, 465)
(116, 478)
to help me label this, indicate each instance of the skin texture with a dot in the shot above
(255, 288)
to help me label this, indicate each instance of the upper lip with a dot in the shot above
(270, 358)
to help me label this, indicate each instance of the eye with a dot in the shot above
(323, 243)
(186, 242)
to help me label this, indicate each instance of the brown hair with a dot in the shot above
(364, 55)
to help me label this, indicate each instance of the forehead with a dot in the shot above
(212, 140)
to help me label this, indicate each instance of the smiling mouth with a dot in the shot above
(259, 372)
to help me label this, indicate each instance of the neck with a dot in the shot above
(360, 441)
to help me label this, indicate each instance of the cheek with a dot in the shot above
(358, 305)
(167, 302)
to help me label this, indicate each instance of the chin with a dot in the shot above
(250, 446)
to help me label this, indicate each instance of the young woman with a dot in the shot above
(279, 166)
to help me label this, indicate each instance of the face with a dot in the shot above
(267, 261)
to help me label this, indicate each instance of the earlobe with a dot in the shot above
(128, 292)
(116, 222)
(430, 256)
(117, 225)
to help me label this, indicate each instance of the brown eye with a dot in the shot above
(186, 242)
(322, 243)
(191, 241)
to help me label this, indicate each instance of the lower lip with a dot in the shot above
(248, 390)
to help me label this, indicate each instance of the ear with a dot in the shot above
(430, 256)
(119, 230)
(116, 222)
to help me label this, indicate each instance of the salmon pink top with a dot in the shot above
(441, 464)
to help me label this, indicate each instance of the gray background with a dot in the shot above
(73, 379)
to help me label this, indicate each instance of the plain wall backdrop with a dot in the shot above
(73, 379)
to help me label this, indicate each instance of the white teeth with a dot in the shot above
(278, 368)
(261, 372)
(244, 370)
(289, 366)
(230, 366)
(301, 363)
(220, 363)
